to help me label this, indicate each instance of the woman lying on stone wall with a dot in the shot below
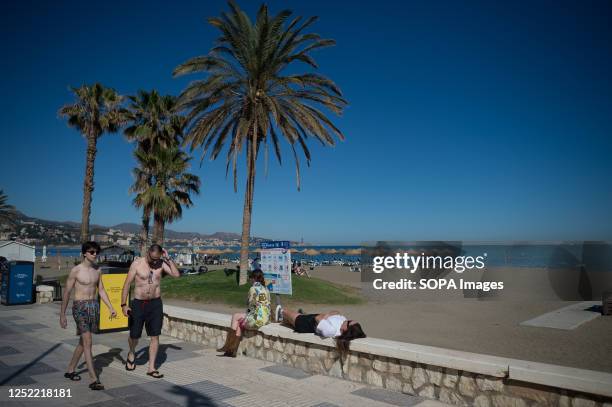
(327, 325)
(256, 316)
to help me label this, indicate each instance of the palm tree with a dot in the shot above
(96, 111)
(7, 212)
(153, 120)
(248, 97)
(163, 186)
(153, 124)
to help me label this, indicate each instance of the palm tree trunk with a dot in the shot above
(162, 231)
(88, 186)
(157, 229)
(144, 233)
(246, 213)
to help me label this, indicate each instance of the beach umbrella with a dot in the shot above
(311, 252)
(210, 251)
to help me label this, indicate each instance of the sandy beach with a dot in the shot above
(54, 266)
(490, 327)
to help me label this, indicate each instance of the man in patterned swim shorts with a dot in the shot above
(84, 279)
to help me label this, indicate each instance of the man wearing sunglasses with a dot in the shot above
(146, 308)
(84, 279)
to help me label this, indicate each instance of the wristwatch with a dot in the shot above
(123, 305)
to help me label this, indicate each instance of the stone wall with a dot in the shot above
(453, 386)
(44, 294)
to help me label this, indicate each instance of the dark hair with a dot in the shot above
(90, 245)
(343, 342)
(155, 248)
(257, 275)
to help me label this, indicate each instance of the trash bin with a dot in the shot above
(16, 282)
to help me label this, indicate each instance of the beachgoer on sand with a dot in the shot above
(256, 316)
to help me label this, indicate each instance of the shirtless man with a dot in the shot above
(146, 307)
(84, 278)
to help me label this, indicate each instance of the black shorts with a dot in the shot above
(306, 324)
(149, 313)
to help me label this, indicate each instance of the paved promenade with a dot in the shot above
(34, 353)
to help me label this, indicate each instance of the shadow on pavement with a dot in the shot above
(103, 360)
(29, 365)
(192, 398)
(142, 355)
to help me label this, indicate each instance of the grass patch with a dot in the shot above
(216, 287)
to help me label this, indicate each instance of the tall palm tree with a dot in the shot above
(7, 212)
(97, 110)
(153, 120)
(154, 123)
(248, 97)
(167, 185)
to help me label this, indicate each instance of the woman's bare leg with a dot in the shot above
(235, 322)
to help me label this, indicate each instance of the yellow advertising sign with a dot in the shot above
(113, 284)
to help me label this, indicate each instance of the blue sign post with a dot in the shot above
(281, 244)
(276, 266)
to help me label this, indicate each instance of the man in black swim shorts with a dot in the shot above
(146, 309)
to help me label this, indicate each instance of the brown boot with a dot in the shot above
(232, 348)
(228, 340)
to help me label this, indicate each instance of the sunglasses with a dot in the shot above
(92, 252)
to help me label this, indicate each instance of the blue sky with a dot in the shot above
(467, 120)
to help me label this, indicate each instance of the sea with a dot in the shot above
(523, 254)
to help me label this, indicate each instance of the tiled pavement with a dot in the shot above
(34, 352)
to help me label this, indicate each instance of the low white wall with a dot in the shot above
(455, 377)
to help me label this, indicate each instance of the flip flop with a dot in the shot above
(74, 376)
(96, 385)
(155, 374)
(131, 362)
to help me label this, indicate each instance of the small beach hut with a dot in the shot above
(17, 251)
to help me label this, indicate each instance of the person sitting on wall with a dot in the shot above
(256, 316)
(327, 325)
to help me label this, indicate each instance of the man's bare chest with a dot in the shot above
(87, 278)
(148, 276)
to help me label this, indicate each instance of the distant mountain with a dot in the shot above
(132, 228)
(66, 223)
(172, 234)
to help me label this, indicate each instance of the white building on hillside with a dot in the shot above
(124, 242)
(17, 251)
